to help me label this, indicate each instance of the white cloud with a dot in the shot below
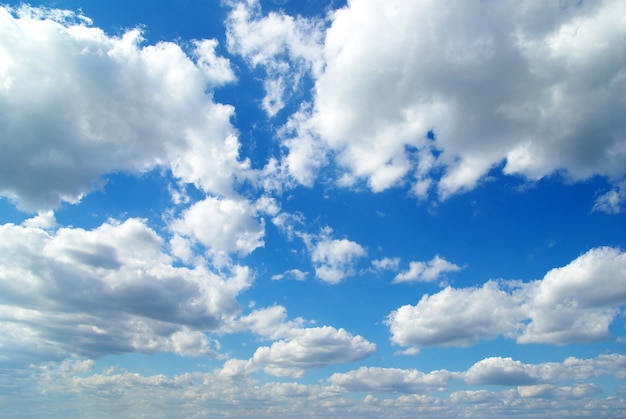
(296, 274)
(270, 322)
(426, 271)
(334, 259)
(536, 86)
(509, 372)
(386, 264)
(611, 202)
(109, 290)
(231, 391)
(92, 104)
(285, 47)
(222, 225)
(371, 379)
(312, 348)
(578, 302)
(456, 317)
(573, 303)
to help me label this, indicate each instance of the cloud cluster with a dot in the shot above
(437, 94)
(287, 48)
(573, 303)
(92, 104)
(387, 391)
(70, 291)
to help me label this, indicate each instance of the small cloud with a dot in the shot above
(296, 274)
(386, 264)
(612, 201)
(426, 271)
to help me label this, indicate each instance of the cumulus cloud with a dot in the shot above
(334, 259)
(456, 317)
(222, 225)
(92, 104)
(270, 322)
(111, 289)
(578, 302)
(312, 348)
(437, 94)
(509, 372)
(574, 303)
(372, 379)
(426, 271)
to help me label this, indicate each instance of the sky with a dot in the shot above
(313, 208)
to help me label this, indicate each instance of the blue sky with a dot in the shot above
(312, 208)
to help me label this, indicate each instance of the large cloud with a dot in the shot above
(456, 317)
(91, 104)
(439, 93)
(573, 303)
(109, 290)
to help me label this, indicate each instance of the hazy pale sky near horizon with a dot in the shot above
(314, 208)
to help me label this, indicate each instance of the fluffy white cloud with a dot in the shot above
(109, 290)
(222, 225)
(92, 104)
(426, 271)
(386, 264)
(456, 317)
(269, 322)
(538, 87)
(509, 372)
(311, 348)
(370, 379)
(578, 302)
(574, 303)
(333, 259)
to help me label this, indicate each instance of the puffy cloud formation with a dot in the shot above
(92, 104)
(111, 289)
(579, 301)
(222, 225)
(509, 372)
(299, 350)
(426, 271)
(574, 303)
(334, 259)
(311, 348)
(437, 94)
(455, 317)
(370, 379)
